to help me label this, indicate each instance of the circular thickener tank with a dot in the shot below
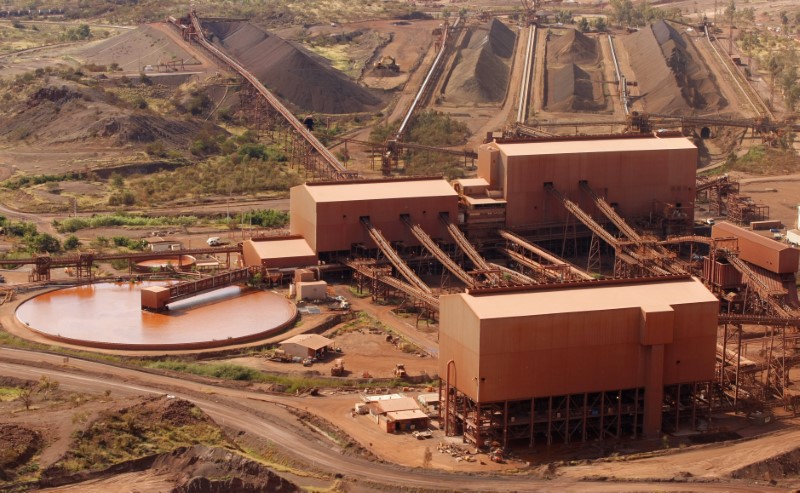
(109, 315)
(184, 262)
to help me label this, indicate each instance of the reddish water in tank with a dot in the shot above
(110, 313)
(184, 261)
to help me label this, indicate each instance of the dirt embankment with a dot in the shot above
(157, 440)
(135, 50)
(66, 112)
(574, 74)
(294, 74)
(19, 445)
(481, 75)
(672, 76)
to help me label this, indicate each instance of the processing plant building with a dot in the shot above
(576, 361)
(640, 177)
(330, 216)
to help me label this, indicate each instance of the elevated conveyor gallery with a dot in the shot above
(393, 256)
(437, 252)
(469, 250)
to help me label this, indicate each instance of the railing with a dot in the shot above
(188, 289)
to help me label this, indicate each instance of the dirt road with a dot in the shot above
(258, 414)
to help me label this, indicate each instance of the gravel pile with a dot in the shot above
(574, 74)
(672, 76)
(299, 77)
(481, 74)
(570, 88)
(573, 47)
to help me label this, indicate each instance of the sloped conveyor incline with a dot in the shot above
(753, 280)
(393, 257)
(550, 257)
(437, 252)
(469, 250)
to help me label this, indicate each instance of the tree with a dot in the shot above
(26, 396)
(41, 243)
(583, 24)
(621, 11)
(71, 242)
(600, 24)
(117, 181)
(730, 11)
(47, 386)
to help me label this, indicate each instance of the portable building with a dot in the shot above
(306, 345)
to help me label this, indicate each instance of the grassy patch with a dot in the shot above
(8, 393)
(73, 224)
(761, 160)
(136, 432)
(290, 383)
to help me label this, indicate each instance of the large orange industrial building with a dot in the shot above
(641, 177)
(575, 361)
(329, 215)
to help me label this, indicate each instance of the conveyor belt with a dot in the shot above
(514, 275)
(550, 257)
(437, 252)
(469, 250)
(393, 257)
(338, 170)
(410, 290)
(754, 281)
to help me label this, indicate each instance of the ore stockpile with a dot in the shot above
(483, 68)
(299, 77)
(672, 76)
(574, 74)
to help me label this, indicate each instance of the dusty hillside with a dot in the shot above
(672, 76)
(136, 49)
(65, 111)
(294, 74)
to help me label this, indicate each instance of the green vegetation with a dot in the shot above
(266, 218)
(779, 61)
(430, 128)
(762, 160)
(30, 180)
(9, 393)
(436, 129)
(72, 224)
(79, 33)
(137, 432)
(625, 13)
(227, 371)
(236, 174)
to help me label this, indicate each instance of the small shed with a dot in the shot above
(159, 244)
(429, 401)
(307, 346)
(312, 290)
(399, 414)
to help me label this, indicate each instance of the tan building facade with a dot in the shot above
(586, 340)
(638, 175)
(328, 215)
